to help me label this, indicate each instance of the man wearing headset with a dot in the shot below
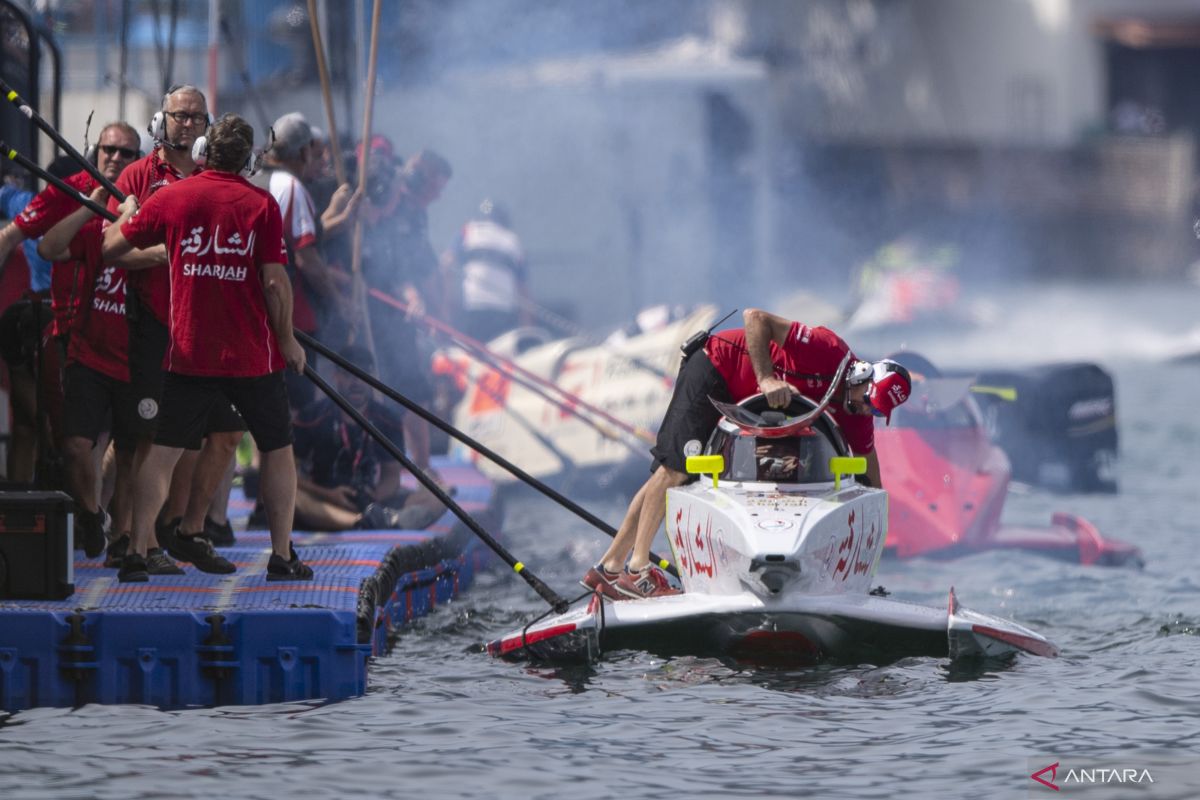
(230, 334)
(184, 117)
(771, 355)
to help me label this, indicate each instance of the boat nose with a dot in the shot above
(774, 572)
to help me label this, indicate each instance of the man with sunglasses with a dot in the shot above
(771, 355)
(117, 147)
(183, 118)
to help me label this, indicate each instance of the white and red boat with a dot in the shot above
(776, 554)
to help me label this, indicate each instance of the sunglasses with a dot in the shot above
(854, 405)
(111, 150)
(183, 116)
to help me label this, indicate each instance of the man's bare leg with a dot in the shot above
(151, 484)
(218, 509)
(319, 515)
(216, 458)
(654, 507)
(81, 471)
(614, 558)
(277, 485)
(180, 487)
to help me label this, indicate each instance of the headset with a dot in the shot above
(158, 123)
(253, 163)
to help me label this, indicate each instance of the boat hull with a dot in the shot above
(797, 630)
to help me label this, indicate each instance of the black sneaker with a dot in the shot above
(378, 517)
(198, 550)
(116, 551)
(219, 535)
(292, 570)
(91, 528)
(165, 532)
(133, 569)
(159, 563)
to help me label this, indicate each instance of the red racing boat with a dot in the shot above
(947, 483)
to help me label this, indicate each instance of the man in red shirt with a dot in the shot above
(183, 118)
(85, 416)
(230, 336)
(771, 355)
(97, 393)
(117, 147)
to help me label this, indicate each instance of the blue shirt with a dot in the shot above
(12, 203)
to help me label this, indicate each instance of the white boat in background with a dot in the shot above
(776, 554)
(631, 379)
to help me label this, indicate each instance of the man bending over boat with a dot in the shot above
(771, 355)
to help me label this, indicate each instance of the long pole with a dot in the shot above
(479, 447)
(358, 284)
(547, 594)
(48, 129)
(339, 165)
(58, 183)
(214, 49)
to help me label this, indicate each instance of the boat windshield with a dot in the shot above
(803, 458)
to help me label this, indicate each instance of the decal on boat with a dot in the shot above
(694, 546)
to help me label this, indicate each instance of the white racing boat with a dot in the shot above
(776, 555)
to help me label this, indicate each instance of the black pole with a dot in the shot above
(479, 447)
(549, 595)
(58, 183)
(49, 130)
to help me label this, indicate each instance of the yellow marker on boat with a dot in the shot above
(517, 567)
(846, 465)
(705, 465)
(1008, 393)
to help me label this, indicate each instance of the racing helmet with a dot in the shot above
(890, 386)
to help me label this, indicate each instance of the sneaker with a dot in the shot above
(116, 551)
(600, 580)
(165, 532)
(133, 569)
(198, 550)
(219, 535)
(649, 581)
(91, 526)
(159, 563)
(291, 570)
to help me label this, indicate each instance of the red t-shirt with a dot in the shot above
(68, 283)
(102, 340)
(807, 351)
(142, 179)
(219, 231)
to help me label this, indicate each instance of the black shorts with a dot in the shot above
(148, 339)
(19, 330)
(95, 403)
(189, 402)
(690, 416)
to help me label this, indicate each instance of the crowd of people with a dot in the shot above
(146, 348)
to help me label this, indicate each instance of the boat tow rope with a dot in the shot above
(477, 446)
(549, 595)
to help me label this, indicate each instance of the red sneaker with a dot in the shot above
(649, 581)
(600, 580)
